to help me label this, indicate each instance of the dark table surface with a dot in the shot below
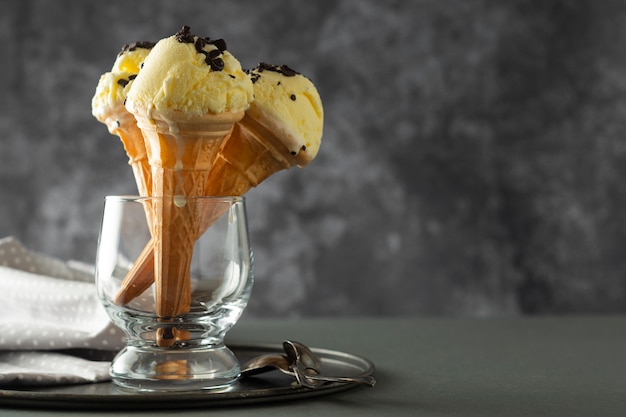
(574, 366)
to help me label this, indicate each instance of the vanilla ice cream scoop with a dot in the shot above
(191, 75)
(113, 85)
(288, 104)
(107, 105)
(131, 57)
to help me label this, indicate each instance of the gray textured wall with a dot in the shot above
(472, 162)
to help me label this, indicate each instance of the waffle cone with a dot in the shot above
(181, 151)
(122, 123)
(248, 156)
(140, 276)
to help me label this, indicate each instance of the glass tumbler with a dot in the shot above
(175, 274)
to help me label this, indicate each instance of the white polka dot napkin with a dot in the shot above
(49, 368)
(49, 306)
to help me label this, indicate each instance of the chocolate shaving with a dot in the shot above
(132, 46)
(255, 73)
(214, 54)
(281, 69)
(199, 44)
(212, 57)
(184, 35)
(216, 64)
(124, 82)
(254, 76)
(219, 44)
(287, 71)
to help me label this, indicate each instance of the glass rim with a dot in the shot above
(130, 198)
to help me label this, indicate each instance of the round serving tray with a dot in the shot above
(267, 387)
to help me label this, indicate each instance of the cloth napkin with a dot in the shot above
(50, 311)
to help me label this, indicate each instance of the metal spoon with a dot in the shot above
(307, 365)
(302, 356)
(266, 363)
(270, 362)
(300, 363)
(303, 362)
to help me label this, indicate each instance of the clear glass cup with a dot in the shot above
(175, 274)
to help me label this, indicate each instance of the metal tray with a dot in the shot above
(267, 387)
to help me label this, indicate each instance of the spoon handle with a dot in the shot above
(365, 380)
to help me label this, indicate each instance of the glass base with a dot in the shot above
(183, 369)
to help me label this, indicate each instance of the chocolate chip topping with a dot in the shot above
(288, 72)
(216, 64)
(254, 76)
(282, 69)
(199, 44)
(124, 81)
(219, 44)
(184, 35)
(285, 70)
(132, 46)
(212, 57)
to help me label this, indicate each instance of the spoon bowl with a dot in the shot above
(266, 363)
(299, 362)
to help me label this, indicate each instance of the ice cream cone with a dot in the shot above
(140, 276)
(108, 107)
(250, 155)
(181, 151)
(123, 124)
